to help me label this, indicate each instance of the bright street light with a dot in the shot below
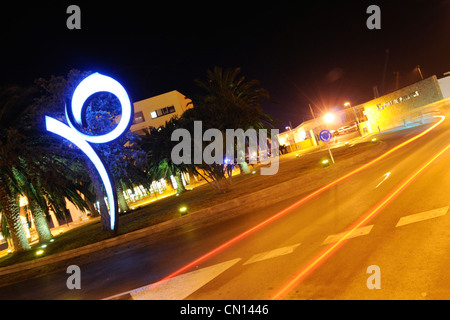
(329, 118)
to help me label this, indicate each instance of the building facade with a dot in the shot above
(155, 111)
(444, 84)
(400, 108)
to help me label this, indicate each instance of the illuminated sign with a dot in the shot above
(381, 106)
(74, 114)
(325, 136)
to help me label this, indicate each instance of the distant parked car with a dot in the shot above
(347, 129)
(354, 126)
(344, 130)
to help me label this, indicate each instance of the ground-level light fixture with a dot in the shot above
(183, 210)
(325, 162)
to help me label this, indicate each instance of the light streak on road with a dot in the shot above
(328, 251)
(293, 206)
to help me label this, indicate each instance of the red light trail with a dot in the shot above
(291, 207)
(328, 251)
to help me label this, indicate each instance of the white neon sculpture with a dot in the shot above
(89, 86)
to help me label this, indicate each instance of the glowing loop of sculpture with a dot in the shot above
(89, 86)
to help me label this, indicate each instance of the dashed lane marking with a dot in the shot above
(180, 287)
(177, 288)
(356, 233)
(272, 254)
(422, 216)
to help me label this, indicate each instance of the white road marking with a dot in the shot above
(422, 216)
(356, 233)
(272, 254)
(386, 175)
(179, 287)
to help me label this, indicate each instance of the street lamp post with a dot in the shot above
(420, 72)
(348, 104)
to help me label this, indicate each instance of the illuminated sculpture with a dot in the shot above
(74, 114)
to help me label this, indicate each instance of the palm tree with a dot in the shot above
(228, 102)
(158, 146)
(240, 100)
(14, 150)
(237, 101)
(30, 165)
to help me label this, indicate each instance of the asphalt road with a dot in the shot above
(413, 258)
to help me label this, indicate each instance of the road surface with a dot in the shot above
(404, 232)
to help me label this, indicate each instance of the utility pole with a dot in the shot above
(376, 94)
(315, 132)
(348, 104)
(420, 72)
(397, 74)
(312, 112)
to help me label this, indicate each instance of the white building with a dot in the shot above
(444, 84)
(155, 111)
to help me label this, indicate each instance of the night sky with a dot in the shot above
(304, 52)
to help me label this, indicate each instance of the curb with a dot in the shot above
(258, 199)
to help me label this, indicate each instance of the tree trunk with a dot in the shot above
(243, 166)
(92, 209)
(104, 214)
(40, 221)
(222, 184)
(11, 211)
(179, 180)
(123, 205)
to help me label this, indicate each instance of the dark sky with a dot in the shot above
(317, 52)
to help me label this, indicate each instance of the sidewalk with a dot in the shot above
(55, 232)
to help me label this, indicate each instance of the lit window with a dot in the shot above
(138, 117)
(163, 111)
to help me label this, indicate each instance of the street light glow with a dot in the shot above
(329, 118)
